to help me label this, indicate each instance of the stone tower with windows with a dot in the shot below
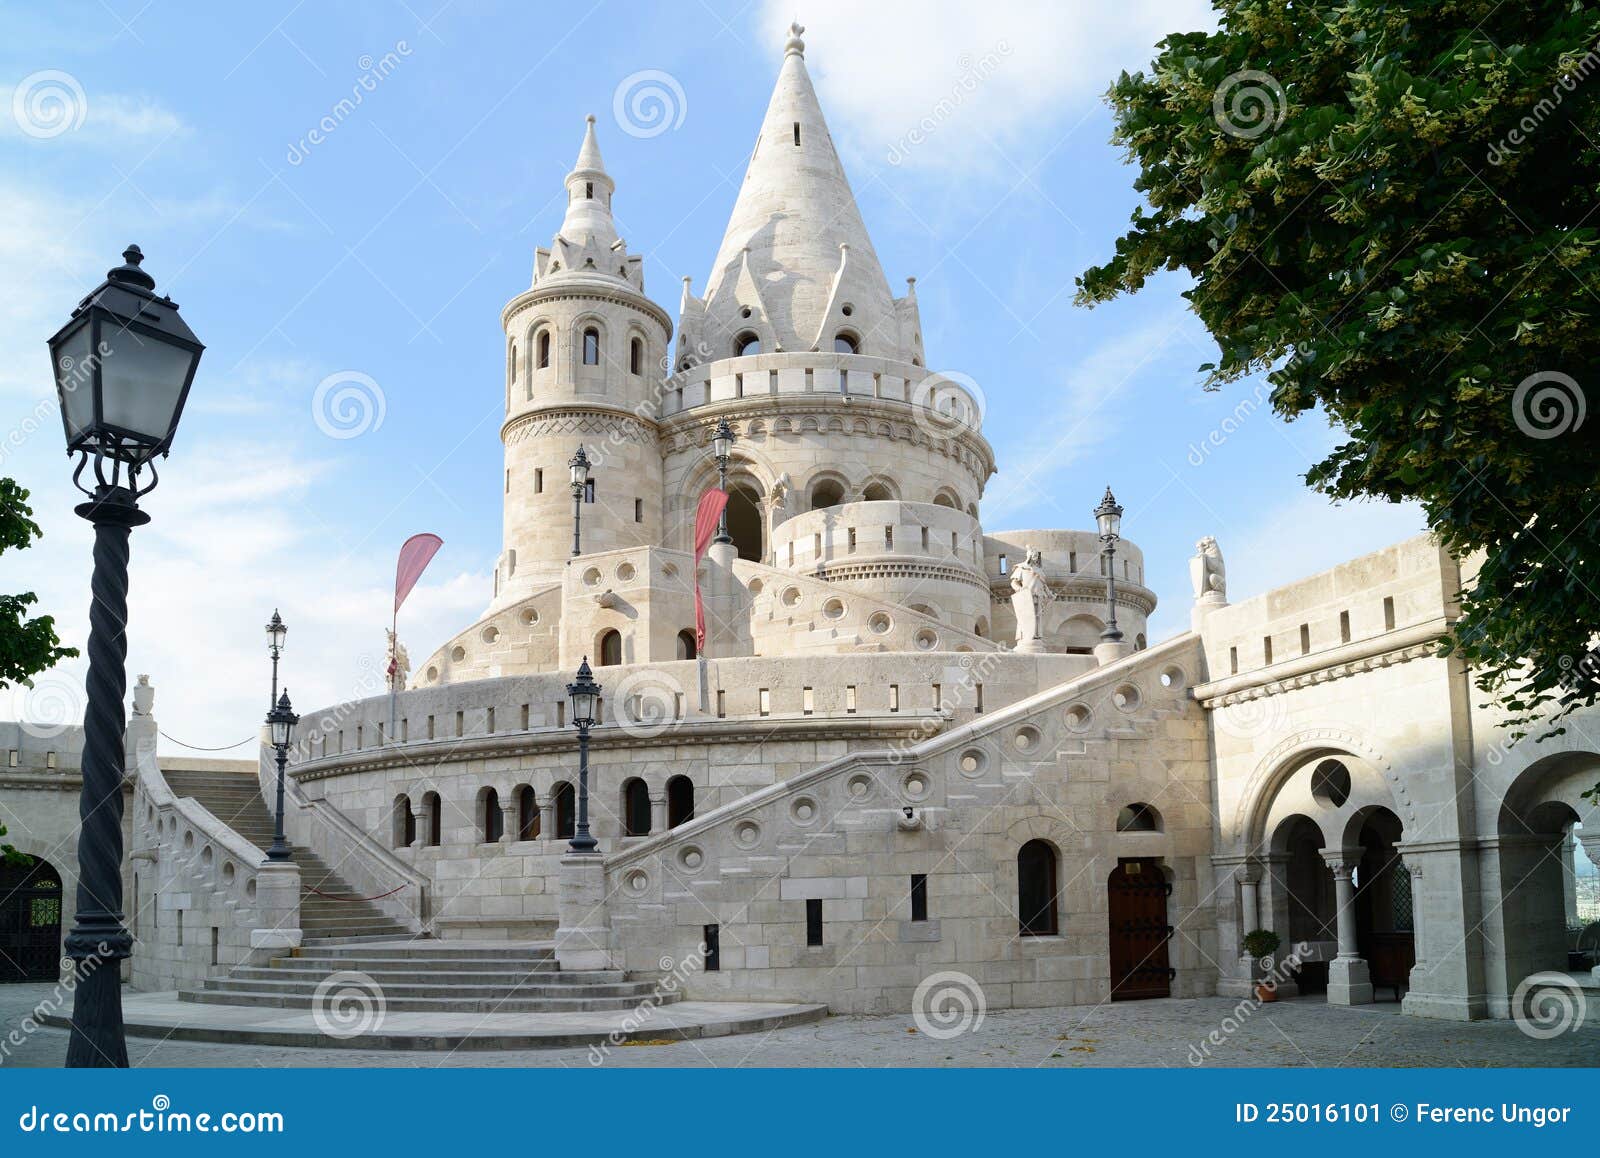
(584, 352)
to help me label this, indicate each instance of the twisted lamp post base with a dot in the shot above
(99, 941)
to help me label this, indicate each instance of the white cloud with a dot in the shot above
(970, 76)
(235, 532)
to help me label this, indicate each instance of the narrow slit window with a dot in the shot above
(894, 697)
(814, 921)
(764, 702)
(797, 132)
(850, 698)
(808, 701)
(1388, 613)
(919, 896)
(1344, 627)
(538, 480)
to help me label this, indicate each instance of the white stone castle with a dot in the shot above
(908, 747)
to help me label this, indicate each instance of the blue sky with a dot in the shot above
(387, 249)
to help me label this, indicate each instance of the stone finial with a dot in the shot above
(794, 46)
(1208, 574)
(144, 696)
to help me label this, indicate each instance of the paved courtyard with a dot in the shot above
(1300, 1033)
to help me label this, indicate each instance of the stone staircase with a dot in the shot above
(235, 799)
(431, 977)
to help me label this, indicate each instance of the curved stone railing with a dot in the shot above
(1020, 736)
(197, 880)
(796, 614)
(361, 859)
(513, 640)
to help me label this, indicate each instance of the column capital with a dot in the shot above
(1341, 861)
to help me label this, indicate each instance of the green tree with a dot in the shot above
(27, 645)
(1391, 210)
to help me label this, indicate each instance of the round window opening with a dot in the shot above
(1330, 783)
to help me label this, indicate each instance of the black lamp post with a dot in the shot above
(580, 484)
(280, 723)
(123, 366)
(276, 632)
(721, 450)
(585, 696)
(1108, 516)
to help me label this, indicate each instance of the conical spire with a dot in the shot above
(790, 226)
(587, 242)
(589, 189)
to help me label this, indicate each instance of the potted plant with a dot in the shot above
(1261, 944)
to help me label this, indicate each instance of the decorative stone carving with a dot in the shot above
(1207, 573)
(1030, 595)
(399, 663)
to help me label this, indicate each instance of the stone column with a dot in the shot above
(277, 911)
(1349, 981)
(508, 818)
(547, 818)
(583, 936)
(658, 813)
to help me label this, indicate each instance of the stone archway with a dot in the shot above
(30, 921)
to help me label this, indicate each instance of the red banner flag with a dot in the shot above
(415, 555)
(706, 517)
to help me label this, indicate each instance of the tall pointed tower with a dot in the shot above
(584, 354)
(852, 461)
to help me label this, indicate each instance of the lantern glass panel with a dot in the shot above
(142, 380)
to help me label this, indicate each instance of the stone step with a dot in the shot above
(429, 976)
(443, 985)
(164, 1016)
(430, 1004)
(509, 957)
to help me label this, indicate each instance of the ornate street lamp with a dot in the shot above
(276, 631)
(1108, 516)
(721, 450)
(123, 366)
(580, 486)
(585, 696)
(280, 724)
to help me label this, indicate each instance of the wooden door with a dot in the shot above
(1137, 894)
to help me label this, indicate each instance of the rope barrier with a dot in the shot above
(198, 748)
(331, 897)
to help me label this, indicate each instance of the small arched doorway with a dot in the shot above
(746, 524)
(1385, 922)
(1137, 906)
(30, 921)
(610, 648)
(686, 645)
(680, 801)
(1036, 889)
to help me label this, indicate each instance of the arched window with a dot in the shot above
(432, 820)
(845, 342)
(405, 823)
(877, 492)
(636, 356)
(564, 802)
(1138, 818)
(513, 361)
(494, 821)
(746, 344)
(1036, 889)
(827, 493)
(680, 801)
(610, 648)
(635, 807)
(943, 499)
(542, 344)
(686, 648)
(591, 347)
(527, 814)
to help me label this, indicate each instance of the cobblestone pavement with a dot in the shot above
(1299, 1033)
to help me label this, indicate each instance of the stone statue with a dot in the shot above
(1030, 595)
(399, 663)
(1207, 573)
